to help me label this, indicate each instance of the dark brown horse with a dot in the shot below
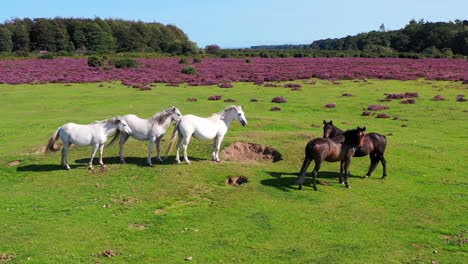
(374, 146)
(321, 149)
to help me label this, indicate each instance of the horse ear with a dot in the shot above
(331, 122)
(364, 129)
(324, 122)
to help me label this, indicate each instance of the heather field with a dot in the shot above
(168, 213)
(216, 71)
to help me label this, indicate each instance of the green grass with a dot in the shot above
(417, 215)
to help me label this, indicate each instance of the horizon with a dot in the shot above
(252, 23)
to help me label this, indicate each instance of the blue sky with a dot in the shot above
(243, 23)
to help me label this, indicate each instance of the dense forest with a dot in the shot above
(91, 35)
(434, 39)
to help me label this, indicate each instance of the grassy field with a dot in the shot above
(168, 212)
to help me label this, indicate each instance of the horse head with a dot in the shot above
(122, 125)
(355, 137)
(241, 115)
(175, 113)
(327, 128)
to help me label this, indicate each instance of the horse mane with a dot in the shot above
(352, 137)
(161, 117)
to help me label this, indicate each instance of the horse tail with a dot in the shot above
(52, 139)
(175, 133)
(116, 137)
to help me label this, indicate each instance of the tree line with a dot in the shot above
(416, 37)
(92, 36)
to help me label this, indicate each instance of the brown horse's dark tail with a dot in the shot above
(51, 144)
(116, 137)
(173, 139)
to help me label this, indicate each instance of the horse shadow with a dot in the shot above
(283, 183)
(139, 161)
(43, 167)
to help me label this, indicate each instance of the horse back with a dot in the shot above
(325, 149)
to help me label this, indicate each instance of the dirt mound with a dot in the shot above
(244, 151)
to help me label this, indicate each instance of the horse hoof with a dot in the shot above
(299, 188)
(366, 176)
(90, 168)
(160, 160)
(315, 189)
(348, 186)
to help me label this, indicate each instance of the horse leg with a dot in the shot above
(318, 163)
(346, 174)
(64, 161)
(123, 138)
(150, 150)
(101, 152)
(93, 153)
(374, 162)
(185, 145)
(302, 174)
(158, 147)
(218, 141)
(384, 165)
(179, 142)
(341, 172)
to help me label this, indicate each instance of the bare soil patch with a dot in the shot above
(14, 163)
(244, 151)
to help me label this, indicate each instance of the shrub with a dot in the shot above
(197, 60)
(331, 105)
(279, 99)
(382, 115)
(377, 107)
(214, 98)
(125, 63)
(46, 56)
(408, 101)
(253, 100)
(248, 61)
(190, 70)
(229, 100)
(275, 108)
(461, 98)
(192, 99)
(94, 61)
(225, 85)
(292, 85)
(346, 94)
(183, 61)
(438, 98)
(366, 113)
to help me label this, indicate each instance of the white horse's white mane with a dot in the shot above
(162, 116)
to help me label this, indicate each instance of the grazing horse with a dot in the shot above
(152, 129)
(214, 127)
(321, 149)
(94, 134)
(374, 146)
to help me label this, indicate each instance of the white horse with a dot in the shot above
(151, 129)
(94, 134)
(214, 127)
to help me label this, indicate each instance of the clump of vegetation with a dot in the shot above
(183, 61)
(408, 101)
(330, 105)
(382, 115)
(197, 60)
(229, 100)
(346, 94)
(190, 70)
(214, 98)
(461, 98)
(192, 99)
(226, 85)
(377, 107)
(95, 61)
(253, 100)
(46, 56)
(292, 85)
(438, 98)
(366, 113)
(275, 108)
(125, 63)
(248, 61)
(279, 99)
